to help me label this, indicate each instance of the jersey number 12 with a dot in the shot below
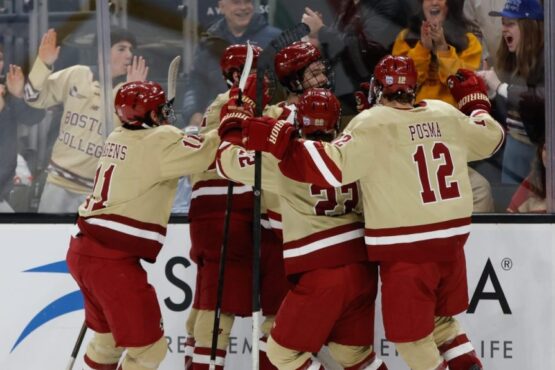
(447, 189)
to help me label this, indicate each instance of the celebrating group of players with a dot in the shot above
(388, 196)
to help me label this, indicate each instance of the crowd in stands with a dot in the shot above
(501, 40)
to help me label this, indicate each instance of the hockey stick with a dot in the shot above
(77, 346)
(172, 83)
(223, 252)
(172, 78)
(265, 64)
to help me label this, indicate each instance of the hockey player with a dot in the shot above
(123, 221)
(323, 251)
(206, 226)
(82, 132)
(411, 164)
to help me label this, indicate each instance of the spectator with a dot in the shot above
(363, 32)
(438, 41)
(81, 137)
(518, 80)
(239, 25)
(530, 195)
(488, 30)
(12, 111)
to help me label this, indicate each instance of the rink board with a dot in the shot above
(510, 275)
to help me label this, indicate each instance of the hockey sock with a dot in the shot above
(312, 364)
(201, 359)
(460, 354)
(371, 362)
(91, 365)
(189, 348)
(265, 363)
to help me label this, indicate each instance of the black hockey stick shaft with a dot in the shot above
(221, 274)
(77, 346)
(265, 65)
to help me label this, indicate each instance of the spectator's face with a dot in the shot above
(435, 11)
(315, 75)
(1, 61)
(238, 13)
(511, 33)
(120, 57)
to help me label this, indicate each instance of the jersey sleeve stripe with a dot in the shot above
(331, 175)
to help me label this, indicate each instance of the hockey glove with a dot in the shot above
(469, 91)
(361, 97)
(267, 134)
(240, 106)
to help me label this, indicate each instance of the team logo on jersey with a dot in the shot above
(75, 93)
(70, 302)
(30, 93)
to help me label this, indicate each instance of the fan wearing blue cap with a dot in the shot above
(518, 78)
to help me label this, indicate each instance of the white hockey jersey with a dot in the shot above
(135, 184)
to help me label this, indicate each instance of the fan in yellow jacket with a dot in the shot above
(438, 42)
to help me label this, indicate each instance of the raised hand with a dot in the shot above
(438, 37)
(267, 134)
(15, 81)
(426, 36)
(469, 91)
(48, 51)
(492, 81)
(313, 20)
(137, 70)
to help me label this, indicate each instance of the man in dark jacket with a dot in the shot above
(239, 25)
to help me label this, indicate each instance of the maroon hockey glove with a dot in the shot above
(361, 97)
(240, 106)
(469, 91)
(267, 134)
(231, 116)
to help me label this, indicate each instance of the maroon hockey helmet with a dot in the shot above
(135, 100)
(395, 74)
(318, 111)
(291, 61)
(234, 58)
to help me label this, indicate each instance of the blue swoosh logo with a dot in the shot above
(61, 306)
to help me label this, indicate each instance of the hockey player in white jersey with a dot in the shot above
(323, 251)
(206, 216)
(411, 164)
(123, 221)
